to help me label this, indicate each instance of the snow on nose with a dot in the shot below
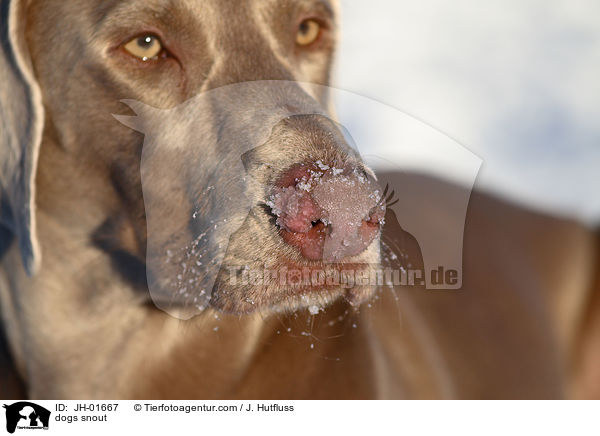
(328, 213)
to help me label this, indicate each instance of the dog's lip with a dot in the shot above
(307, 270)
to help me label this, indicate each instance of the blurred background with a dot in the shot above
(515, 82)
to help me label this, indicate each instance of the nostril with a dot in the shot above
(295, 209)
(376, 215)
(310, 244)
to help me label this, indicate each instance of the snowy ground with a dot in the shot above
(514, 81)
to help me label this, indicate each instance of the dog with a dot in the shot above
(90, 248)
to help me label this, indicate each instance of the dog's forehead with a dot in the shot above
(205, 11)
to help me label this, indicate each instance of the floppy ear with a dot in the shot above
(21, 123)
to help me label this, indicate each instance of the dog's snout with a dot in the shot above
(328, 213)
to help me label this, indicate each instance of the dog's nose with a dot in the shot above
(328, 213)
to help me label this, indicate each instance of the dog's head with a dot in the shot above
(239, 167)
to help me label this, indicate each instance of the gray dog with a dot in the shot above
(95, 214)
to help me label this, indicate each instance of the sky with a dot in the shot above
(514, 82)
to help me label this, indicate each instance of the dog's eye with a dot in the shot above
(144, 47)
(308, 32)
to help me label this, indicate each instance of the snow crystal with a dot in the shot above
(304, 185)
(322, 166)
(313, 310)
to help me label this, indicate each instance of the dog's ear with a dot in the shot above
(21, 123)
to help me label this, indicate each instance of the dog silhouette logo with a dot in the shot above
(26, 415)
(202, 252)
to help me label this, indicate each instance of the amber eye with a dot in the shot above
(308, 32)
(144, 47)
